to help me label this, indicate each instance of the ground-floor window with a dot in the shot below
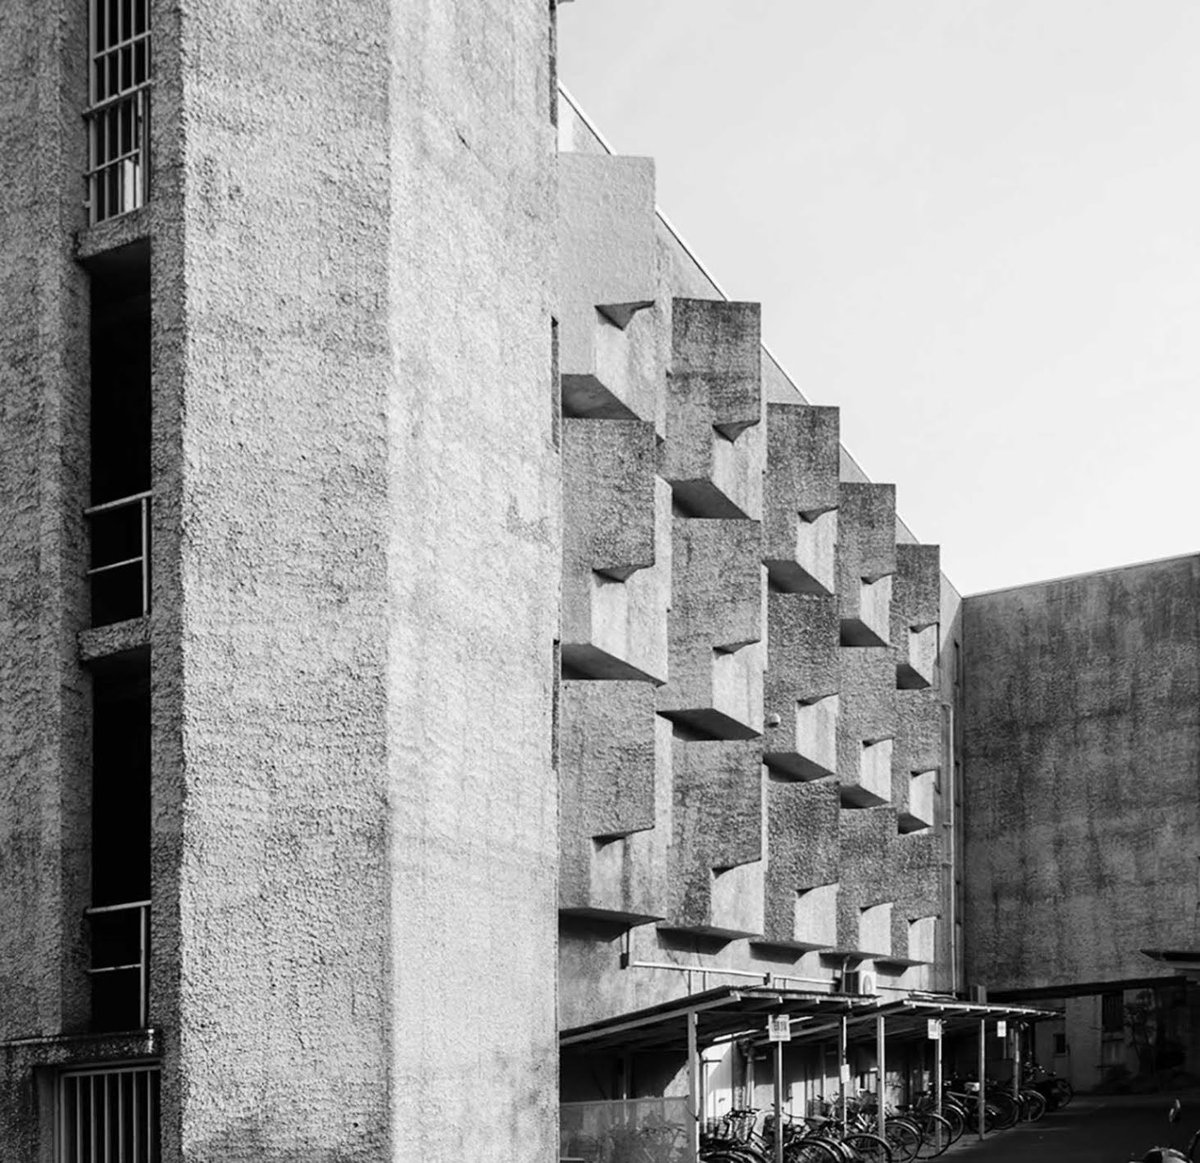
(109, 1114)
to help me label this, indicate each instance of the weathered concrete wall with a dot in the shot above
(1082, 756)
(43, 486)
(799, 703)
(357, 555)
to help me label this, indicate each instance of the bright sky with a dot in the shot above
(974, 225)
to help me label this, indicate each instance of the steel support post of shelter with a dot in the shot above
(937, 1070)
(880, 1073)
(842, 1069)
(1016, 1041)
(981, 1105)
(778, 1102)
(694, 1096)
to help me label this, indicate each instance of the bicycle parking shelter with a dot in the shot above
(740, 1013)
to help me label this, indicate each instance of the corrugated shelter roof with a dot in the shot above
(731, 1012)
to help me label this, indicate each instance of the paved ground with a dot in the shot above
(1110, 1129)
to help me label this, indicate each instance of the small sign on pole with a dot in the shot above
(934, 1029)
(779, 1028)
(1001, 1029)
(845, 1073)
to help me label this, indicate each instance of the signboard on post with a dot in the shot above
(1001, 1029)
(933, 1029)
(779, 1028)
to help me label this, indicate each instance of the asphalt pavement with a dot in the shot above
(1092, 1129)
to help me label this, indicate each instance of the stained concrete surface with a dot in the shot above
(1099, 1129)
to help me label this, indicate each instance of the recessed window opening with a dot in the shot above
(120, 913)
(119, 516)
(1112, 1012)
(118, 114)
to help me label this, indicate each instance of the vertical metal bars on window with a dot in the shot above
(109, 1114)
(118, 113)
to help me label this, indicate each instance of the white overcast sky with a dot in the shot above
(974, 225)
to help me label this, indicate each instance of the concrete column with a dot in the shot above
(44, 730)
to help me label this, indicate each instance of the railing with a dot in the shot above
(118, 115)
(120, 569)
(109, 1114)
(647, 1130)
(113, 943)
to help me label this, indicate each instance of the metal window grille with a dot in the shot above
(1112, 1012)
(109, 1114)
(124, 952)
(120, 569)
(118, 113)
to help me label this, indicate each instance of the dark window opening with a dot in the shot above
(119, 517)
(119, 916)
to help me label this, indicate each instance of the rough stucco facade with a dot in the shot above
(354, 833)
(1082, 763)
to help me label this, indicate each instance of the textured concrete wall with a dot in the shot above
(1082, 758)
(799, 704)
(44, 487)
(357, 552)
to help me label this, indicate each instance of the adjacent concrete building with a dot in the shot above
(1082, 810)
(434, 627)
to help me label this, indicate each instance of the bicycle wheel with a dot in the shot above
(1064, 1090)
(1007, 1111)
(955, 1116)
(903, 1138)
(869, 1148)
(936, 1135)
(813, 1150)
(1034, 1104)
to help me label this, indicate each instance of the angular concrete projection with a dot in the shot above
(915, 612)
(608, 782)
(869, 872)
(866, 562)
(606, 763)
(800, 499)
(607, 275)
(875, 929)
(714, 452)
(802, 679)
(922, 947)
(919, 810)
(802, 854)
(873, 783)
(616, 552)
(718, 587)
(920, 719)
(629, 875)
(866, 726)
(816, 916)
(718, 824)
(916, 877)
(738, 900)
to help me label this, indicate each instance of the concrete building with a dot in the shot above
(1082, 812)
(299, 728)
(757, 718)
(434, 629)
